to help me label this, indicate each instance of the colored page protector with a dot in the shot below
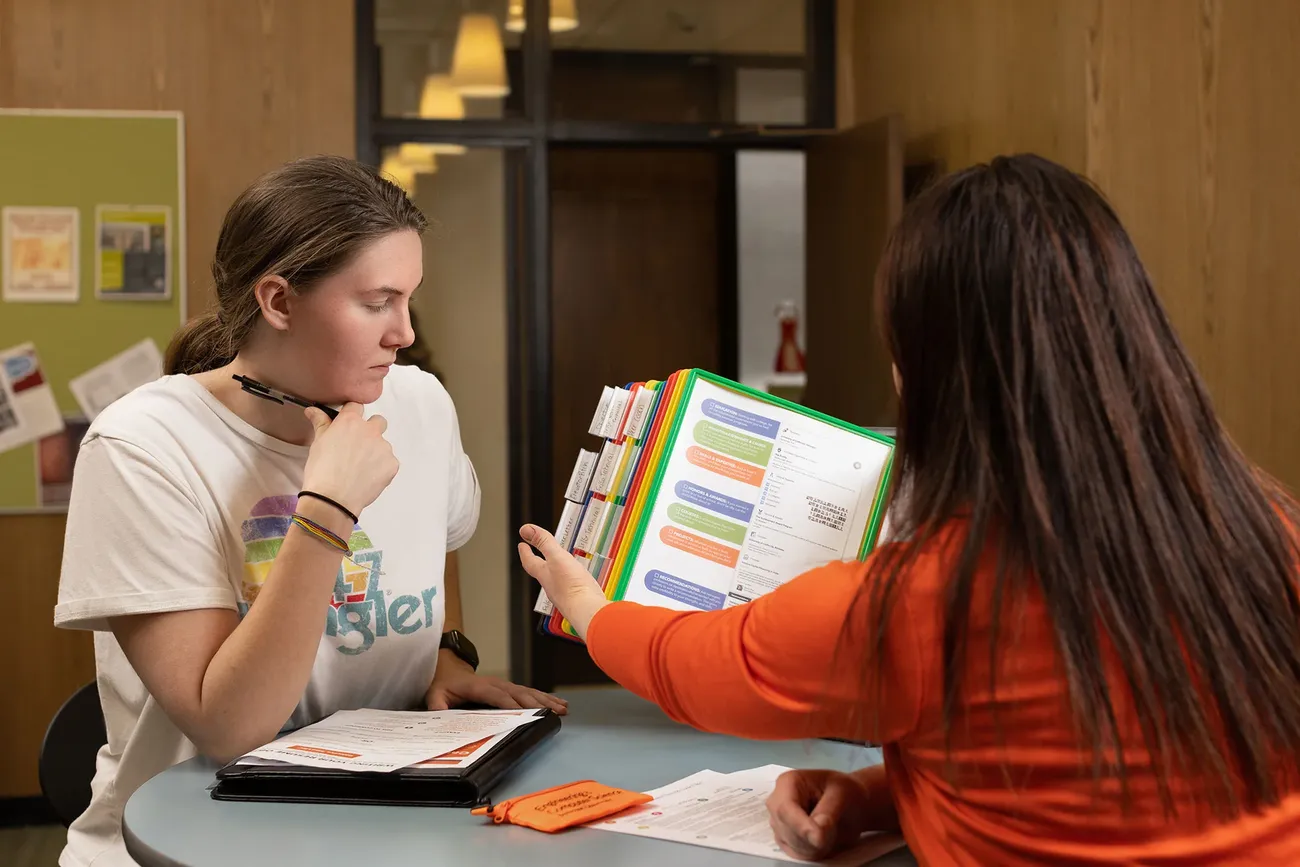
(555, 624)
(648, 484)
(669, 395)
(623, 475)
(627, 472)
(552, 622)
(633, 388)
(642, 490)
(618, 494)
(754, 492)
(603, 539)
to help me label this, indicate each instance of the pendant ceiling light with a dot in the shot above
(478, 66)
(564, 16)
(418, 157)
(439, 100)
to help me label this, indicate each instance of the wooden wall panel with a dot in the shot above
(260, 82)
(1185, 112)
(970, 78)
(1192, 125)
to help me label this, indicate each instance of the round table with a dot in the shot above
(609, 735)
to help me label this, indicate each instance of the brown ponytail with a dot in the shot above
(200, 344)
(303, 221)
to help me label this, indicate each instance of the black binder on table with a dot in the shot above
(412, 787)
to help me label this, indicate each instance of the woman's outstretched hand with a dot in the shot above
(574, 592)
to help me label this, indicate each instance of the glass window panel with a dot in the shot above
(449, 59)
(459, 314)
(678, 61)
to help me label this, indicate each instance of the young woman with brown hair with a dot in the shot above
(248, 565)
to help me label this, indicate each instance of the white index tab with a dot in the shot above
(636, 420)
(605, 467)
(602, 410)
(568, 525)
(580, 479)
(617, 409)
(591, 522)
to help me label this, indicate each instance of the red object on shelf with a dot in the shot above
(789, 357)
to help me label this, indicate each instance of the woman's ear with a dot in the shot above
(898, 381)
(272, 293)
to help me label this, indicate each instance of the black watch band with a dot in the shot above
(455, 641)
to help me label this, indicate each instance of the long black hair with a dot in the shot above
(1047, 402)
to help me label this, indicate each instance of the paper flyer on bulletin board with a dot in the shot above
(82, 231)
(132, 252)
(40, 254)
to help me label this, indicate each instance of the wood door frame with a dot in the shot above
(528, 267)
(864, 163)
(554, 661)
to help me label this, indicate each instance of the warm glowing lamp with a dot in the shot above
(439, 100)
(478, 65)
(564, 16)
(418, 158)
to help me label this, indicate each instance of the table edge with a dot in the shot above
(144, 854)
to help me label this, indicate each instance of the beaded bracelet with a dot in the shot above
(323, 534)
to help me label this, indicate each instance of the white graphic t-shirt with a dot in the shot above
(179, 504)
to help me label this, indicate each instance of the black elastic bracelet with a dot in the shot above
(324, 499)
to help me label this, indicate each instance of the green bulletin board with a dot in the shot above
(119, 171)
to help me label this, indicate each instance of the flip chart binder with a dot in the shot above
(708, 494)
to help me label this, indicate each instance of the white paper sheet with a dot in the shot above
(123, 373)
(461, 757)
(464, 755)
(380, 740)
(729, 812)
(27, 408)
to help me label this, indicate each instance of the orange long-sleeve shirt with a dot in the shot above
(791, 665)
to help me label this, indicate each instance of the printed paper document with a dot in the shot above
(104, 383)
(381, 740)
(727, 811)
(27, 408)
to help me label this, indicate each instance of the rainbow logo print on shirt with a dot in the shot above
(359, 610)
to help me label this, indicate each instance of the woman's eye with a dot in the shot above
(378, 308)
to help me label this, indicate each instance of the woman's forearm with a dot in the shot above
(882, 814)
(258, 675)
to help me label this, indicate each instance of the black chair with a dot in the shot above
(68, 753)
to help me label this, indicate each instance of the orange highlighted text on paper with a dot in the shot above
(324, 752)
(699, 546)
(454, 757)
(725, 466)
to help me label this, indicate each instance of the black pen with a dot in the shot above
(253, 387)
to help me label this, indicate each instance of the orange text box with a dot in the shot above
(699, 546)
(725, 466)
(324, 752)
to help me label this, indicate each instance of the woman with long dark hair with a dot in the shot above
(1084, 645)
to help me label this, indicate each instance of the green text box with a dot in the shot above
(714, 526)
(729, 442)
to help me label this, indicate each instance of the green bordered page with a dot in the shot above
(751, 491)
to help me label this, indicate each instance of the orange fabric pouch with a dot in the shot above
(555, 809)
